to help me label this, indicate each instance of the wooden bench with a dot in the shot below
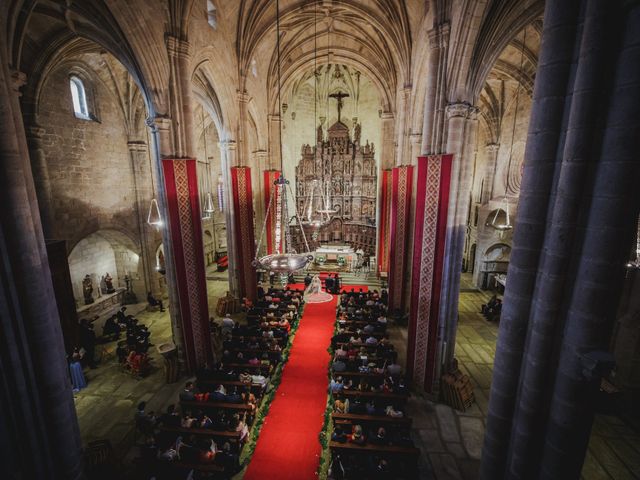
(215, 405)
(356, 418)
(382, 395)
(370, 448)
(201, 467)
(227, 435)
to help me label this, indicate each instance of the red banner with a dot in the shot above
(383, 227)
(185, 224)
(270, 176)
(243, 230)
(401, 184)
(432, 204)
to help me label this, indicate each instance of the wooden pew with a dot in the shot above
(356, 418)
(193, 405)
(370, 448)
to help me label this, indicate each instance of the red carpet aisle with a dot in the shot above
(288, 445)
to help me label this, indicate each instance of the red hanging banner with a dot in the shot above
(383, 227)
(270, 176)
(401, 184)
(243, 230)
(185, 224)
(432, 205)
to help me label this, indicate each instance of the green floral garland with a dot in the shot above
(263, 410)
(327, 427)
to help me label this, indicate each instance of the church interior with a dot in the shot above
(336, 239)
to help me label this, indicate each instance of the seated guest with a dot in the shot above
(380, 438)
(219, 394)
(170, 418)
(338, 435)
(188, 394)
(153, 302)
(338, 366)
(390, 411)
(489, 305)
(111, 328)
(394, 369)
(340, 405)
(336, 385)
(239, 425)
(371, 341)
(357, 436)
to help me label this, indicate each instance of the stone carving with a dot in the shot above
(108, 284)
(87, 290)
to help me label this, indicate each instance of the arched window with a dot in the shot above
(212, 15)
(79, 97)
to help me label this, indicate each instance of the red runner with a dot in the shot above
(288, 445)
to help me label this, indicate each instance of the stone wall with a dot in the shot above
(99, 173)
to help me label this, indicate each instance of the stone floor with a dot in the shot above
(451, 441)
(105, 408)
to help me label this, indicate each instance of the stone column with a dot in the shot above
(180, 98)
(491, 150)
(41, 178)
(138, 153)
(274, 141)
(435, 95)
(162, 139)
(243, 128)
(387, 151)
(39, 419)
(261, 161)
(403, 148)
(461, 133)
(228, 159)
(416, 147)
(575, 222)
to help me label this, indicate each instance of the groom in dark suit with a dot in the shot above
(328, 284)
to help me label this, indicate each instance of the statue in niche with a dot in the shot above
(108, 283)
(87, 290)
(319, 134)
(356, 134)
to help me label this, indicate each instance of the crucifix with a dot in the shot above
(339, 96)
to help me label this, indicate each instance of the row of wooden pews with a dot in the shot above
(371, 431)
(218, 415)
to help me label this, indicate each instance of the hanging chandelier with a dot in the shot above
(502, 223)
(286, 260)
(207, 208)
(153, 217)
(634, 263)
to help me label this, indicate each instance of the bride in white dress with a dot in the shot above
(314, 292)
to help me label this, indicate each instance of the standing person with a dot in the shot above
(88, 342)
(328, 284)
(75, 369)
(272, 277)
(307, 280)
(336, 283)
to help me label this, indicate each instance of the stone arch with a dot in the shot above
(498, 252)
(106, 251)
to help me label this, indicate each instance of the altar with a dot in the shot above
(335, 257)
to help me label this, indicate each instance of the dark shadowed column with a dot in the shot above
(545, 132)
(607, 226)
(35, 394)
(554, 280)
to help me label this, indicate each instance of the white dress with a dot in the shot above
(314, 293)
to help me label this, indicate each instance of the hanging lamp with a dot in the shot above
(634, 263)
(207, 208)
(503, 223)
(286, 260)
(153, 217)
